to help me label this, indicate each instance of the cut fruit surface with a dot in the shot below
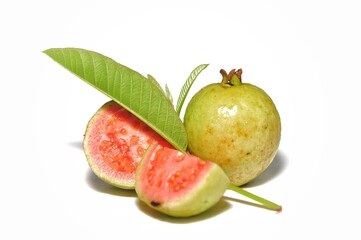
(114, 143)
(178, 184)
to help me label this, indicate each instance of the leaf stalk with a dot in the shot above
(268, 204)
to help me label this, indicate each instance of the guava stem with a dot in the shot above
(268, 204)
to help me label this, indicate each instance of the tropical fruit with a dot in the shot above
(178, 184)
(114, 143)
(234, 124)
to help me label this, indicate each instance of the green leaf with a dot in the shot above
(128, 88)
(187, 85)
(168, 94)
(155, 82)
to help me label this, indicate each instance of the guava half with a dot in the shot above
(178, 184)
(114, 143)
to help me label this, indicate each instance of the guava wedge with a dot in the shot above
(114, 143)
(178, 184)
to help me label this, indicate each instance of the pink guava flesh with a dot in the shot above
(178, 184)
(114, 143)
(169, 174)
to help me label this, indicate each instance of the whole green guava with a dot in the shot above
(234, 124)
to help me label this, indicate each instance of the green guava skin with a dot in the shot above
(238, 127)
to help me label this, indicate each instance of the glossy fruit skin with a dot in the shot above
(238, 127)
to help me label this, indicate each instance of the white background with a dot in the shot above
(305, 54)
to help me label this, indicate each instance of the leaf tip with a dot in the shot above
(45, 51)
(48, 52)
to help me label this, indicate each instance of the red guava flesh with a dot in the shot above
(178, 184)
(114, 143)
(171, 174)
